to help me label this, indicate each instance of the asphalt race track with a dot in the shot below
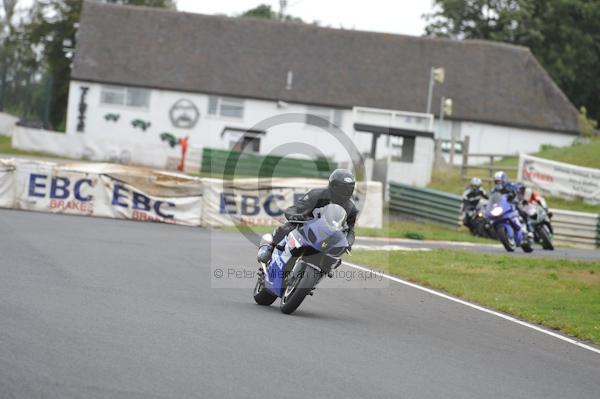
(99, 308)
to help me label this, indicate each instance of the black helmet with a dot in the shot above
(341, 185)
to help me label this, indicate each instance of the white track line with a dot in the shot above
(389, 248)
(411, 241)
(480, 308)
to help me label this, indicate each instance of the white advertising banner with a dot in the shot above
(263, 201)
(560, 179)
(112, 191)
(7, 183)
(126, 192)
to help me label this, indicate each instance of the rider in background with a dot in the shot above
(528, 197)
(339, 191)
(470, 199)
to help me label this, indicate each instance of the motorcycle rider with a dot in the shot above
(503, 186)
(339, 191)
(470, 199)
(528, 196)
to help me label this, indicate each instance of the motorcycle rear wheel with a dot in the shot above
(509, 243)
(545, 238)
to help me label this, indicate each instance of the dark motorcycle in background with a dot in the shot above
(474, 219)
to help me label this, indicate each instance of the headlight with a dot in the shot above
(497, 211)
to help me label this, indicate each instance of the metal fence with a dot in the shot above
(27, 93)
(570, 228)
(576, 228)
(425, 204)
(221, 163)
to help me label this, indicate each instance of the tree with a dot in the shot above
(265, 11)
(53, 24)
(6, 34)
(261, 11)
(562, 34)
(171, 4)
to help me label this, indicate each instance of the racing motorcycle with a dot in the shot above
(478, 224)
(301, 260)
(501, 213)
(540, 223)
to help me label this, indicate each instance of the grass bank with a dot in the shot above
(559, 294)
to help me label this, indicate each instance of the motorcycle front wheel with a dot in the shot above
(297, 288)
(545, 238)
(527, 247)
(262, 296)
(509, 243)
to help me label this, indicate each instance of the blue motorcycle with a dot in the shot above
(302, 259)
(502, 215)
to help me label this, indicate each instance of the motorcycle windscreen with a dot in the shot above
(494, 201)
(327, 232)
(497, 206)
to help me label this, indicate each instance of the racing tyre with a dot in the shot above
(262, 296)
(545, 238)
(527, 247)
(509, 243)
(297, 288)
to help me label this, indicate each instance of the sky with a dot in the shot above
(393, 16)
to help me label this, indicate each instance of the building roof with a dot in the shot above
(488, 82)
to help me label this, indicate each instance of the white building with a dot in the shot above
(142, 74)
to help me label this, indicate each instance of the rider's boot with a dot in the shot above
(264, 253)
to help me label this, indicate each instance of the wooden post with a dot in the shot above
(374, 138)
(438, 160)
(491, 170)
(465, 156)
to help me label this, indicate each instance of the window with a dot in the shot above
(246, 143)
(323, 117)
(402, 148)
(138, 98)
(447, 146)
(226, 106)
(125, 96)
(247, 140)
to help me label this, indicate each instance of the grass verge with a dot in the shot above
(560, 294)
(421, 231)
(410, 230)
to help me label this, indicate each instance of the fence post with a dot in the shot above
(438, 160)
(48, 101)
(3, 84)
(465, 156)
